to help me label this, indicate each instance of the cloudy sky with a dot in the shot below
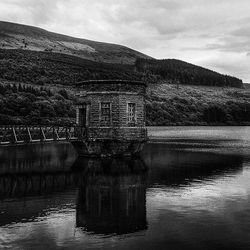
(210, 33)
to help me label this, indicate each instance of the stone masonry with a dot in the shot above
(112, 113)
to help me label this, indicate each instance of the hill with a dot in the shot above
(247, 85)
(37, 83)
(56, 68)
(197, 105)
(38, 88)
(177, 71)
(166, 105)
(18, 36)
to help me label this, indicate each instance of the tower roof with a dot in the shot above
(112, 81)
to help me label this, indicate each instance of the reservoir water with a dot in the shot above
(189, 190)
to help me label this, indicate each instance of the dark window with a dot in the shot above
(131, 113)
(105, 113)
(82, 116)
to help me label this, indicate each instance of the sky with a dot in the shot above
(210, 33)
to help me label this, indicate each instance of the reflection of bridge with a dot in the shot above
(22, 185)
(31, 134)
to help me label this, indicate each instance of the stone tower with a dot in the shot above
(110, 117)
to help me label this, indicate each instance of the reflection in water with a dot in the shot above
(32, 177)
(35, 169)
(36, 158)
(112, 196)
(176, 167)
(24, 185)
(184, 199)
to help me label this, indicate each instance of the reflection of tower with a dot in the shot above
(112, 196)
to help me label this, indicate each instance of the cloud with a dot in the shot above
(228, 63)
(199, 31)
(34, 12)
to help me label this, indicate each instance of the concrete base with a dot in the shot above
(106, 148)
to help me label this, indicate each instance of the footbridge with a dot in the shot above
(23, 134)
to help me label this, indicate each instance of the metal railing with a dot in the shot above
(20, 134)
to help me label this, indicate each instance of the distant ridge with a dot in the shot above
(19, 36)
(29, 54)
(177, 71)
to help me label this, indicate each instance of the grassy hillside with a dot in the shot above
(197, 105)
(17, 36)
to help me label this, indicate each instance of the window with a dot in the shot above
(105, 113)
(131, 113)
(82, 116)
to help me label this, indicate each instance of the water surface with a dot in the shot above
(189, 190)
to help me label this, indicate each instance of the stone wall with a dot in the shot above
(118, 133)
(119, 129)
(119, 109)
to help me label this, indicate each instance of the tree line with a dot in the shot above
(179, 72)
(20, 104)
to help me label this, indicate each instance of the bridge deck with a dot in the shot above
(34, 134)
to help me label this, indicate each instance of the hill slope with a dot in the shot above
(54, 68)
(165, 105)
(38, 87)
(177, 71)
(26, 41)
(33, 66)
(17, 36)
(197, 105)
